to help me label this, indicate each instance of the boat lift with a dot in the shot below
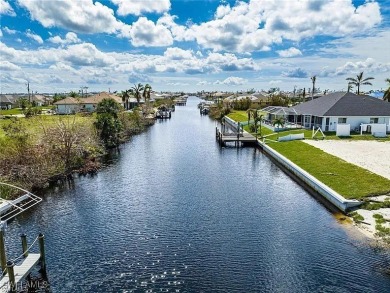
(14, 271)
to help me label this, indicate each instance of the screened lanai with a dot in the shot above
(290, 116)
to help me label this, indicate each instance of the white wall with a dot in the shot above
(67, 109)
(354, 121)
(343, 130)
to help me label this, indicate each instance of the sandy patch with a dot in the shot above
(371, 155)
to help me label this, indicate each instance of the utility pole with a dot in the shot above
(28, 91)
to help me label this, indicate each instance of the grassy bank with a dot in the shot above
(349, 180)
(41, 149)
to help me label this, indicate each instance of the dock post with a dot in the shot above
(3, 257)
(11, 276)
(24, 244)
(42, 251)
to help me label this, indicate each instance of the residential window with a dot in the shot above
(342, 120)
(374, 120)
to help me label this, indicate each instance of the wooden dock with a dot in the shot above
(240, 138)
(20, 271)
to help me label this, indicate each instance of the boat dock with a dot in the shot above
(239, 138)
(16, 272)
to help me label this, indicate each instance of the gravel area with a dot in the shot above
(371, 155)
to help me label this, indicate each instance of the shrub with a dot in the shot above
(357, 217)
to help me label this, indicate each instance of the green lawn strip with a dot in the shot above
(238, 116)
(349, 180)
(34, 125)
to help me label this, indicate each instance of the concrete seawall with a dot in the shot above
(325, 191)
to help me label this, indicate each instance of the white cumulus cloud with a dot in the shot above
(145, 33)
(9, 31)
(34, 37)
(8, 66)
(233, 81)
(178, 53)
(137, 7)
(369, 65)
(5, 8)
(256, 25)
(70, 38)
(290, 52)
(85, 16)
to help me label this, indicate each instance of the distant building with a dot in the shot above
(71, 105)
(8, 102)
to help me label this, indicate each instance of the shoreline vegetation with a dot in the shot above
(42, 149)
(349, 180)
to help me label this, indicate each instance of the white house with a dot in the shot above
(71, 105)
(343, 108)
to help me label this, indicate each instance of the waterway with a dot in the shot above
(174, 212)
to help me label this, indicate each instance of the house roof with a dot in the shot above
(67, 101)
(39, 98)
(8, 99)
(260, 96)
(344, 104)
(95, 99)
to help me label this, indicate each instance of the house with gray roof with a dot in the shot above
(343, 108)
(8, 101)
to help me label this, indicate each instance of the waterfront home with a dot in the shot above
(253, 101)
(336, 108)
(71, 105)
(8, 102)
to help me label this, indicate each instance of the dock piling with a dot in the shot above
(3, 257)
(11, 276)
(24, 244)
(42, 252)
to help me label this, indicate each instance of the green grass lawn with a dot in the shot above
(14, 111)
(34, 125)
(238, 116)
(17, 111)
(347, 179)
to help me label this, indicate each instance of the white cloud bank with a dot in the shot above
(70, 38)
(5, 8)
(232, 81)
(291, 52)
(137, 7)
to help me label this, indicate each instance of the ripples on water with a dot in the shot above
(176, 213)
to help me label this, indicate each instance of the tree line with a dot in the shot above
(43, 149)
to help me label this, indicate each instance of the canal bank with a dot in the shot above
(370, 218)
(175, 212)
(325, 191)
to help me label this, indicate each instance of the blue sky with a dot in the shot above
(191, 45)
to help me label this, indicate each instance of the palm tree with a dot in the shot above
(278, 122)
(386, 96)
(313, 80)
(125, 98)
(358, 81)
(251, 113)
(258, 119)
(136, 91)
(146, 92)
(74, 94)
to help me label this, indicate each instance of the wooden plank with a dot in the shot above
(21, 271)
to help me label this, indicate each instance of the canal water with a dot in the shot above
(174, 212)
